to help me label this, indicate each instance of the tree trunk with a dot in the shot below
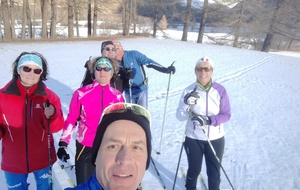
(70, 18)
(12, 20)
(155, 21)
(1, 33)
(95, 20)
(30, 31)
(44, 19)
(268, 40)
(6, 22)
(134, 15)
(186, 20)
(77, 18)
(128, 17)
(238, 28)
(24, 18)
(89, 18)
(203, 22)
(124, 17)
(53, 19)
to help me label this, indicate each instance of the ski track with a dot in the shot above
(243, 71)
(222, 79)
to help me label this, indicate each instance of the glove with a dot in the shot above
(200, 120)
(62, 151)
(49, 110)
(171, 69)
(191, 98)
(129, 74)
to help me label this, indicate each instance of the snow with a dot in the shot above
(262, 146)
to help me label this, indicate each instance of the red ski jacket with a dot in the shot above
(24, 127)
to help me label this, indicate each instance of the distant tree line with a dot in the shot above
(255, 24)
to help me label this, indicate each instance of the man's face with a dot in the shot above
(122, 156)
(119, 52)
(109, 51)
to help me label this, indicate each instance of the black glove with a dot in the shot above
(129, 74)
(200, 120)
(62, 151)
(171, 69)
(191, 98)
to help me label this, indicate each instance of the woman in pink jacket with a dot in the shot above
(85, 110)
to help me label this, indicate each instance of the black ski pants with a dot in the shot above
(83, 163)
(196, 150)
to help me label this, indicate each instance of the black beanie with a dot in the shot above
(105, 43)
(127, 115)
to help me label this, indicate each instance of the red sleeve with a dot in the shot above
(56, 120)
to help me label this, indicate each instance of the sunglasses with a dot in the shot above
(106, 69)
(206, 69)
(28, 69)
(127, 107)
(110, 49)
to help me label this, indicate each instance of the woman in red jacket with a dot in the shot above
(25, 120)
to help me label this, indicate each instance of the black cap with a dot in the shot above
(127, 115)
(105, 43)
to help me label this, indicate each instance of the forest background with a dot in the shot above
(250, 24)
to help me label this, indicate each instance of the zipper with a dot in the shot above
(208, 126)
(26, 131)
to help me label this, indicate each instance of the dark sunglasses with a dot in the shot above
(122, 107)
(206, 69)
(28, 69)
(110, 49)
(106, 69)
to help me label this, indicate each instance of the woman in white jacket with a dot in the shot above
(206, 104)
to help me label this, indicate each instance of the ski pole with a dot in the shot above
(158, 174)
(130, 85)
(130, 91)
(181, 149)
(49, 149)
(163, 123)
(215, 154)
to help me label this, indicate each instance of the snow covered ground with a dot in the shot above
(262, 137)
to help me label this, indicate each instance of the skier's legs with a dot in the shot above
(212, 164)
(16, 181)
(194, 152)
(142, 98)
(83, 163)
(42, 178)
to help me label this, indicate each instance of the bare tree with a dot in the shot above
(186, 20)
(126, 16)
(1, 33)
(89, 18)
(12, 19)
(270, 34)
(77, 10)
(24, 19)
(95, 20)
(133, 15)
(155, 19)
(239, 23)
(6, 20)
(203, 22)
(53, 19)
(29, 22)
(44, 8)
(71, 18)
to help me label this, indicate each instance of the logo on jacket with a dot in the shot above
(38, 106)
